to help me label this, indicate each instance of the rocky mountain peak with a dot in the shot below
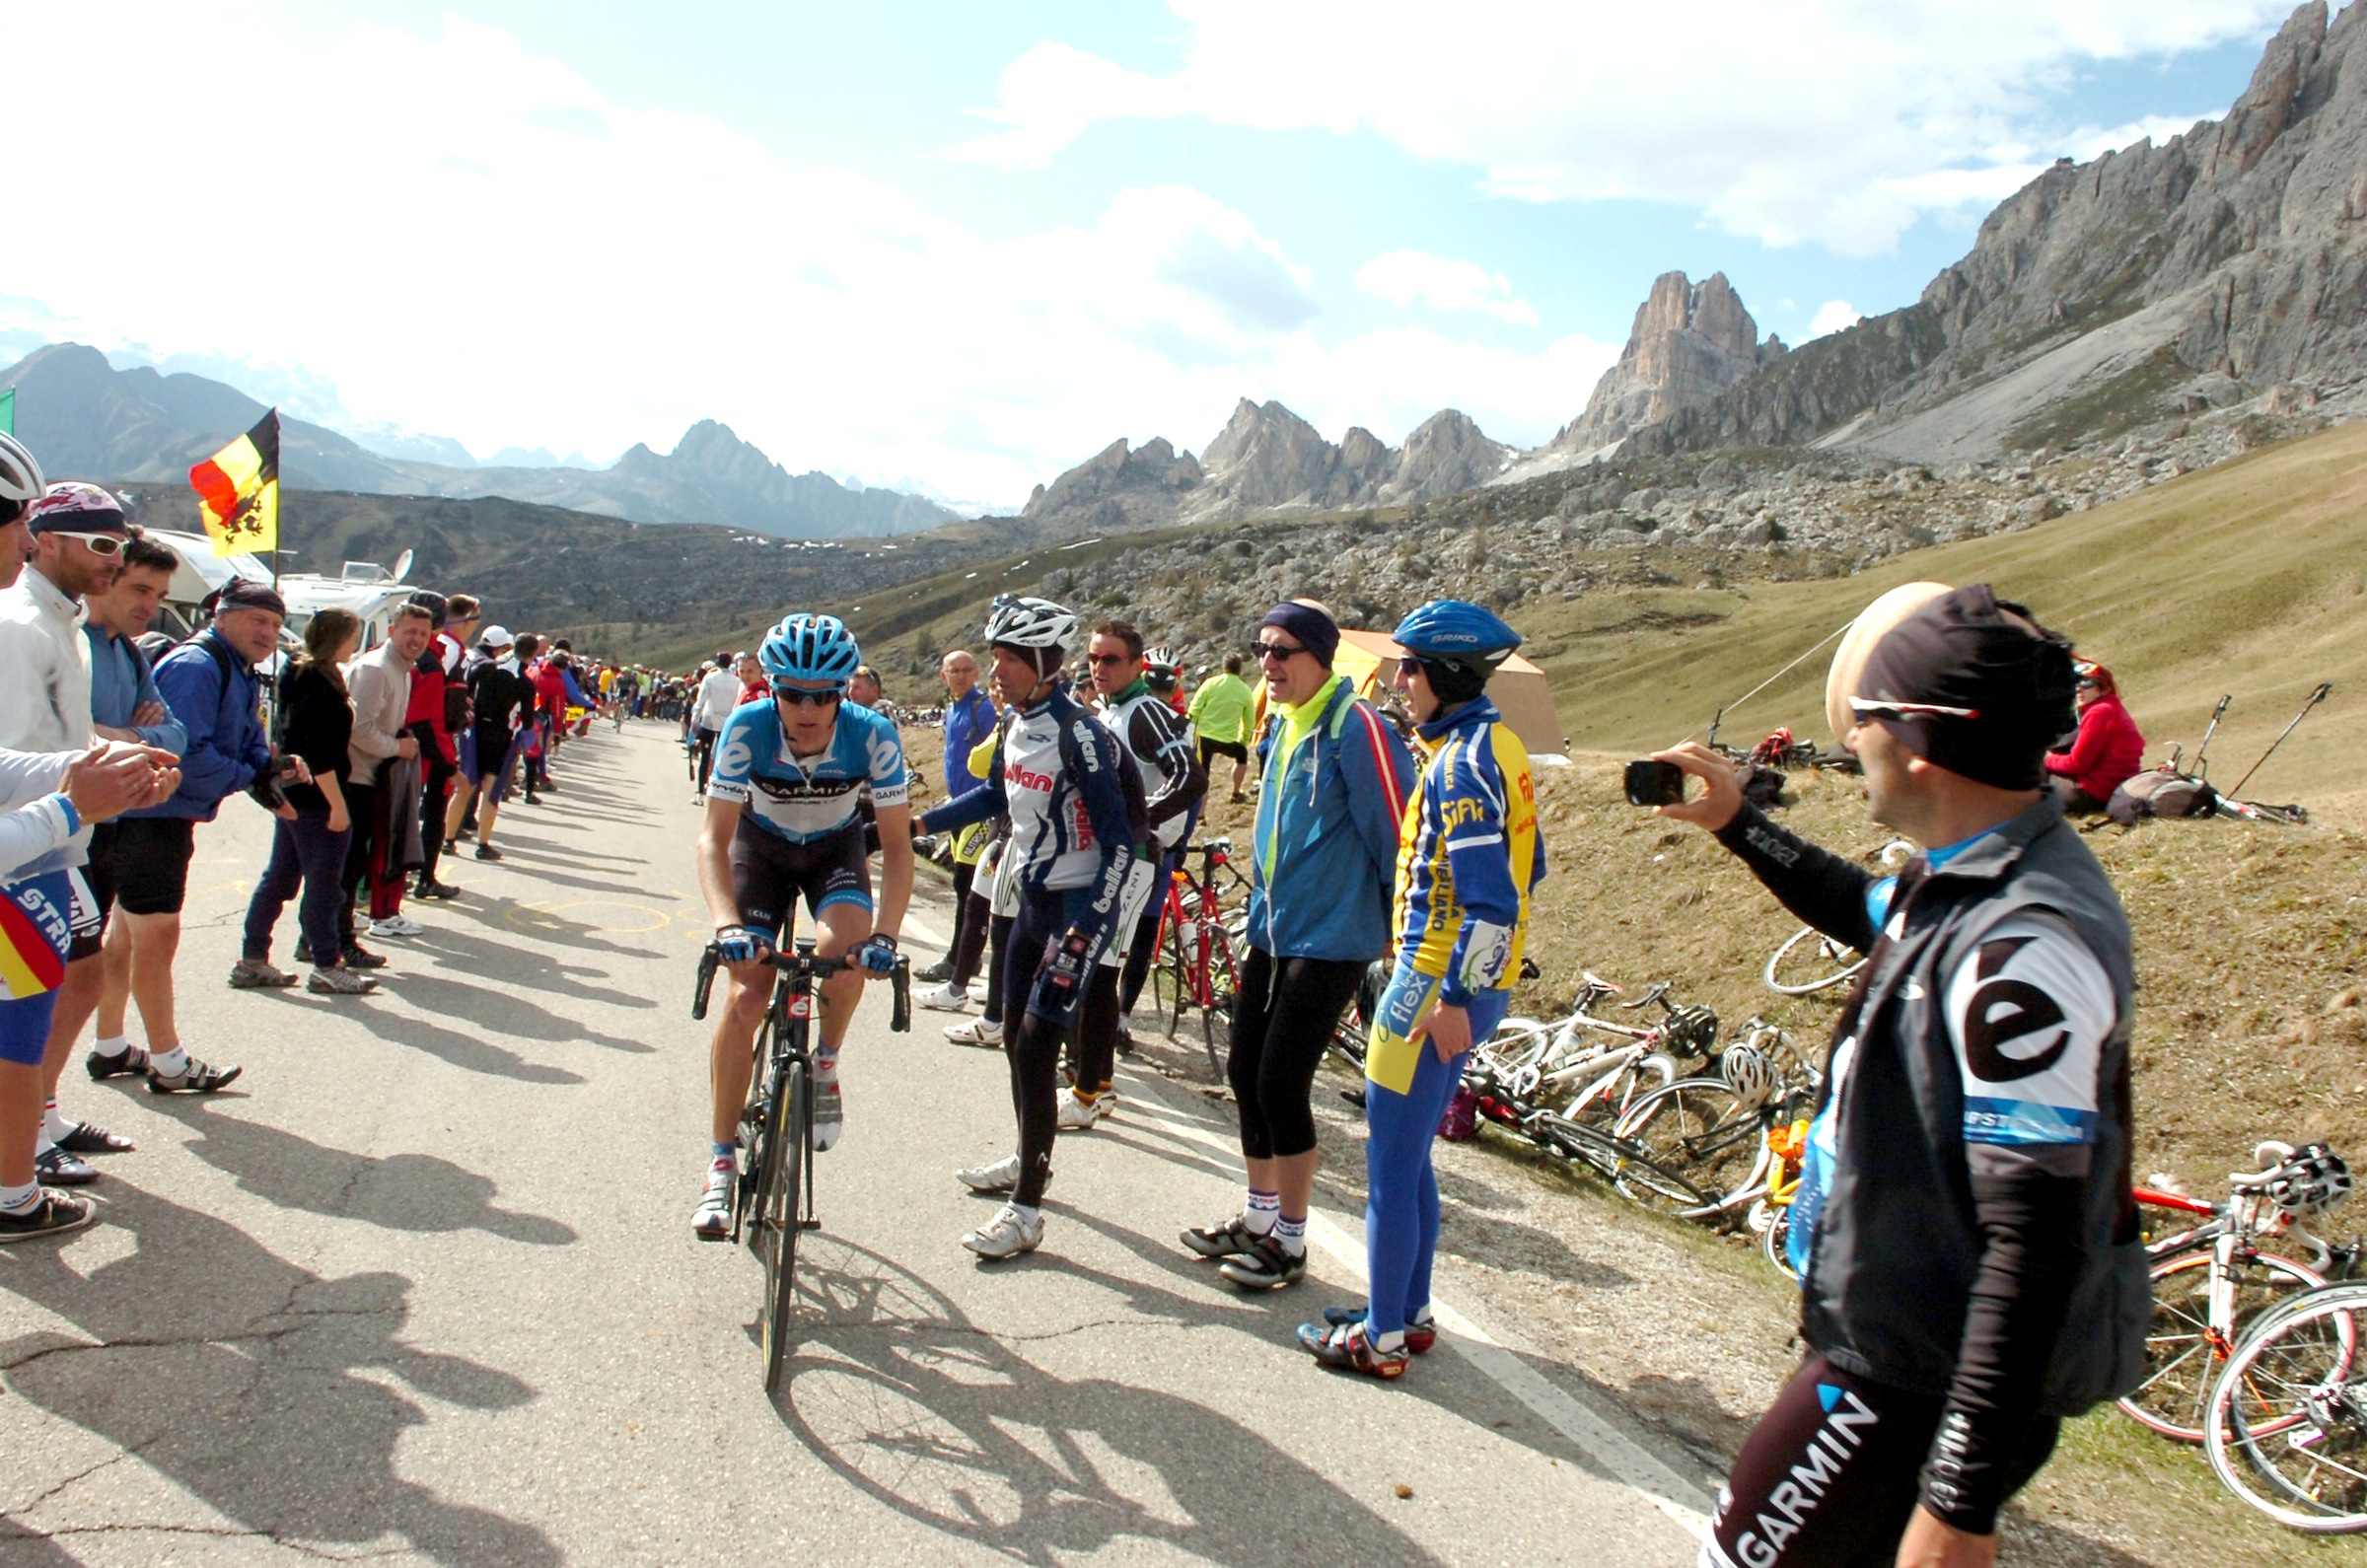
(1689, 342)
(1267, 455)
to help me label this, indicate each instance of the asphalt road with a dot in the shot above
(421, 1286)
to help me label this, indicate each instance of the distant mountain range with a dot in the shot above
(86, 419)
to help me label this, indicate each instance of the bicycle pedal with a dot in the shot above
(809, 1225)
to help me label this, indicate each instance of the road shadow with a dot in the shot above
(473, 954)
(257, 1387)
(397, 1192)
(507, 1014)
(495, 914)
(464, 1051)
(904, 1397)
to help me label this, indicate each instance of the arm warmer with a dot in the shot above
(1158, 737)
(2030, 1263)
(1819, 886)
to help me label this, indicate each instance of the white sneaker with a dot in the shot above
(711, 1221)
(830, 1112)
(997, 1175)
(1009, 1233)
(947, 998)
(1077, 1114)
(975, 1032)
(397, 926)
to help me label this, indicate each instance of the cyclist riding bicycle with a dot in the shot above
(783, 824)
(1057, 775)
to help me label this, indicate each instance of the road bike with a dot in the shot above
(2286, 1425)
(2210, 1281)
(775, 1200)
(1716, 1134)
(1195, 966)
(1808, 961)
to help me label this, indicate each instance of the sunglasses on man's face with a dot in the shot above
(799, 696)
(1106, 660)
(100, 544)
(1866, 708)
(1275, 650)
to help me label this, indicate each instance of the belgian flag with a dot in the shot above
(238, 491)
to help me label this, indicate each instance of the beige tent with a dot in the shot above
(1370, 661)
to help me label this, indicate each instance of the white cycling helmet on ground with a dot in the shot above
(2311, 1180)
(1019, 621)
(21, 481)
(1749, 1073)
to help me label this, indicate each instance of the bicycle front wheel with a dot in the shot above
(1624, 1165)
(2287, 1421)
(1216, 1017)
(2186, 1351)
(780, 1213)
(1810, 960)
(1699, 1126)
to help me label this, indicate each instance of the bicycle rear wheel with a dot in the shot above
(2185, 1352)
(1699, 1126)
(1624, 1163)
(1216, 1017)
(780, 1213)
(2287, 1422)
(1810, 960)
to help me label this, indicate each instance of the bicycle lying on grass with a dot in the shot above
(775, 1200)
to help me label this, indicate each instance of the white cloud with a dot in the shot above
(1789, 120)
(1405, 277)
(1833, 315)
(471, 240)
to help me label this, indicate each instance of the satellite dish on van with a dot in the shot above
(403, 565)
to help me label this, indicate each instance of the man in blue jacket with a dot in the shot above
(210, 685)
(1336, 780)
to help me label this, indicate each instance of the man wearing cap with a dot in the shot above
(1336, 777)
(1965, 1234)
(503, 701)
(77, 539)
(211, 685)
(428, 721)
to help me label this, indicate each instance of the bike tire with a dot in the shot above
(2299, 1365)
(1795, 969)
(756, 1131)
(1701, 1127)
(1216, 1019)
(782, 1214)
(1625, 1166)
(1774, 1239)
(2185, 1353)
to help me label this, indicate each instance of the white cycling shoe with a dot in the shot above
(711, 1221)
(947, 998)
(997, 1175)
(1077, 1114)
(975, 1032)
(1009, 1233)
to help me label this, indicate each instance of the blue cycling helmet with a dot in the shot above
(1458, 644)
(809, 648)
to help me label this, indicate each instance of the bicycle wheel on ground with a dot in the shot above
(1775, 1229)
(1810, 960)
(1216, 1017)
(2185, 1351)
(756, 1135)
(2287, 1421)
(1622, 1163)
(791, 1145)
(1701, 1127)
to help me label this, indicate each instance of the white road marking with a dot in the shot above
(1619, 1455)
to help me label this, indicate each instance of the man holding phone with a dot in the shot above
(1469, 858)
(1964, 1230)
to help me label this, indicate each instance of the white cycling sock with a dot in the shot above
(1392, 1341)
(1292, 1233)
(1262, 1213)
(112, 1044)
(16, 1200)
(168, 1065)
(1029, 1212)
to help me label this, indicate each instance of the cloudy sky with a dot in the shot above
(961, 245)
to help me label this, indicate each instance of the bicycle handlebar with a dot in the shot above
(804, 962)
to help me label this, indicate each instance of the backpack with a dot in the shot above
(2163, 792)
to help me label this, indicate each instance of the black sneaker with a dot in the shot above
(1266, 1266)
(132, 1060)
(51, 1214)
(88, 1137)
(938, 973)
(358, 957)
(430, 889)
(487, 852)
(54, 1168)
(1228, 1239)
(198, 1078)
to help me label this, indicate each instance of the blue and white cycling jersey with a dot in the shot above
(806, 800)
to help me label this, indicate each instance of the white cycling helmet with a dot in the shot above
(21, 478)
(1021, 621)
(2311, 1181)
(1749, 1073)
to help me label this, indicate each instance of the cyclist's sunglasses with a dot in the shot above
(1106, 660)
(799, 696)
(100, 544)
(1275, 650)
(1866, 708)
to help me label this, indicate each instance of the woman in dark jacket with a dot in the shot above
(307, 846)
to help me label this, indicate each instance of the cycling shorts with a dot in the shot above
(769, 874)
(1132, 900)
(36, 921)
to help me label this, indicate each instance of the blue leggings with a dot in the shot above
(1400, 1209)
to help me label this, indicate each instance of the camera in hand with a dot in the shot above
(1651, 783)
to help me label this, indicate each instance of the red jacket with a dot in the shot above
(2107, 750)
(427, 697)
